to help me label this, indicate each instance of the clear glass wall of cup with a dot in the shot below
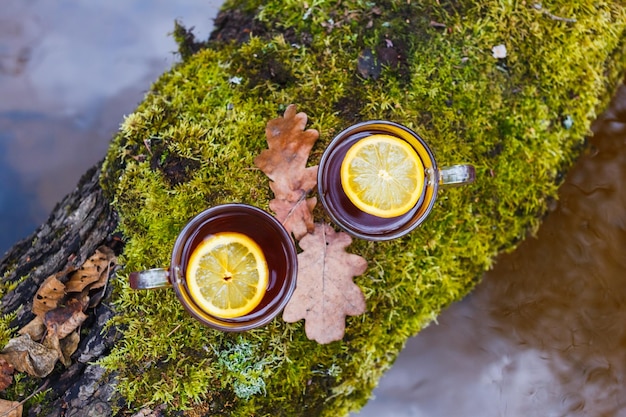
(276, 244)
(367, 226)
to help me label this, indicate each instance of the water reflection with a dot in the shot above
(69, 71)
(543, 334)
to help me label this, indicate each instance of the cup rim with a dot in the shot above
(402, 231)
(290, 278)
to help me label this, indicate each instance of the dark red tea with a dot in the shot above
(336, 198)
(344, 212)
(276, 244)
(263, 234)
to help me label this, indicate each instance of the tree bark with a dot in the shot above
(80, 223)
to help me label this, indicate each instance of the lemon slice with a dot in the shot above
(227, 275)
(382, 175)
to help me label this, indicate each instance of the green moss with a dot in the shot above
(6, 331)
(28, 389)
(504, 116)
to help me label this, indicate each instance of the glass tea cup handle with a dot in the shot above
(149, 279)
(456, 175)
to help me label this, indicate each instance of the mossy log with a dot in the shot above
(519, 116)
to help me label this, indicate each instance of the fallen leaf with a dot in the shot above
(64, 347)
(64, 320)
(49, 294)
(325, 293)
(36, 328)
(284, 162)
(97, 290)
(69, 344)
(295, 217)
(10, 408)
(59, 307)
(6, 374)
(29, 356)
(82, 277)
(94, 273)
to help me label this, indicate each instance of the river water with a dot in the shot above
(69, 71)
(542, 335)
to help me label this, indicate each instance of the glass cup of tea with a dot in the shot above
(378, 180)
(233, 268)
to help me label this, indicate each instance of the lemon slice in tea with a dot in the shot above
(227, 275)
(382, 175)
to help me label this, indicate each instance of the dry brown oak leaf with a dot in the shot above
(10, 408)
(325, 293)
(6, 374)
(29, 356)
(284, 162)
(59, 307)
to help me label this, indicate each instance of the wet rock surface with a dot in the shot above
(543, 334)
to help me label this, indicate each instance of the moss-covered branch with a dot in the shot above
(191, 145)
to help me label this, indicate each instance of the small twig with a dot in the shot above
(146, 142)
(437, 24)
(173, 331)
(539, 8)
(37, 391)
